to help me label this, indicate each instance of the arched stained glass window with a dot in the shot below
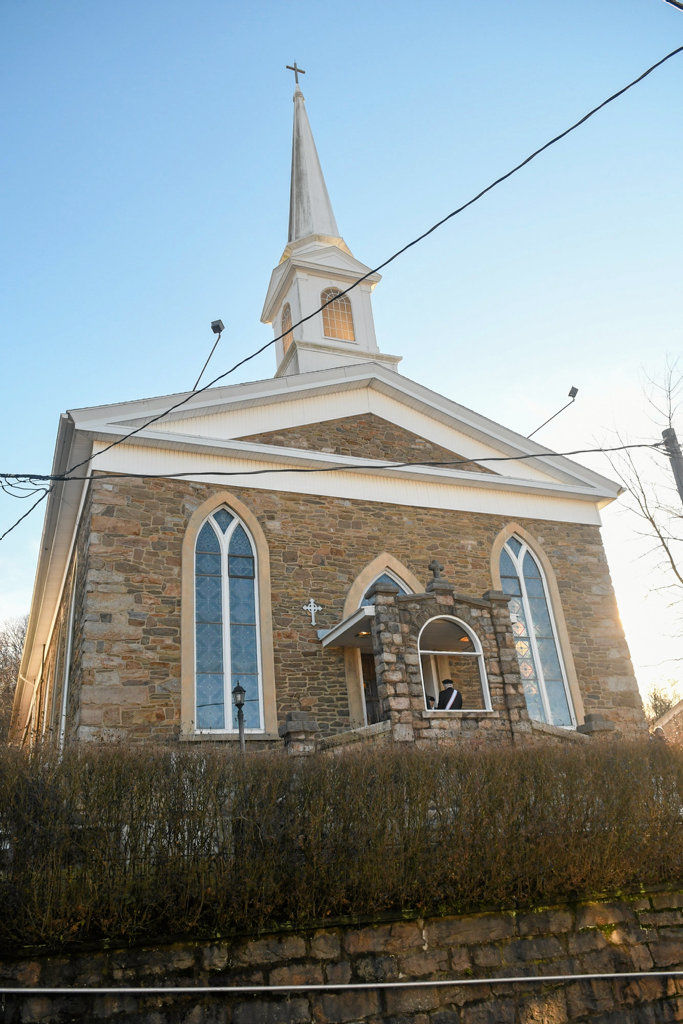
(337, 317)
(287, 326)
(226, 626)
(538, 651)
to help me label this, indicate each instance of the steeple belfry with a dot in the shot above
(314, 269)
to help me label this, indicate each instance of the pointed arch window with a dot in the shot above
(338, 316)
(538, 651)
(385, 577)
(286, 324)
(227, 648)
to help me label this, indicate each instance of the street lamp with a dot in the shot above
(238, 695)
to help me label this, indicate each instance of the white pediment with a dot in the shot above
(216, 420)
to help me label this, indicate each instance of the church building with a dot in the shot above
(335, 541)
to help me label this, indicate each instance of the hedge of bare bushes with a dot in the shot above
(134, 844)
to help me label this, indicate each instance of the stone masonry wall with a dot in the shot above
(128, 631)
(367, 436)
(634, 934)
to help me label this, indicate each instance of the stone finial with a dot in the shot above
(299, 732)
(437, 582)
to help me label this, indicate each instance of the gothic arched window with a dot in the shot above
(538, 652)
(337, 317)
(227, 649)
(287, 326)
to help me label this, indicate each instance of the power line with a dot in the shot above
(28, 513)
(385, 263)
(432, 463)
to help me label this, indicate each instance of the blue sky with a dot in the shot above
(145, 185)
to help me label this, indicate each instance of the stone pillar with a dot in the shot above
(299, 733)
(388, 646)
(513, 690)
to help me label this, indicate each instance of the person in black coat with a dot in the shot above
(450, 699)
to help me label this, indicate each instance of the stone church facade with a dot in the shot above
(337, 540)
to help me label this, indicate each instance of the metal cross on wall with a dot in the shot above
(297, 71)
(312, 607)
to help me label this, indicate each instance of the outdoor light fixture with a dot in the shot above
(238, 695)
(217, 326)
(363, 632)
(573, 392)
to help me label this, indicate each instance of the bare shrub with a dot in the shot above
(137, 844)
(12, 635)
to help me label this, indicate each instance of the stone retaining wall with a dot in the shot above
(637, 933)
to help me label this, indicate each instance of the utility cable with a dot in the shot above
(385, 263)
(28, 513)
(346, 467)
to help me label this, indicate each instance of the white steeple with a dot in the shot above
(310, 209)
(315, 264)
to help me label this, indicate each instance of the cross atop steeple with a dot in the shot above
(297, 71)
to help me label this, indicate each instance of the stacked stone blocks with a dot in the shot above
(632, 935)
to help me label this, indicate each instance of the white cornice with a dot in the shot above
(278, 456)
(371, 375)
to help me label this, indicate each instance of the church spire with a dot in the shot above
(315, 272)
(310, 209)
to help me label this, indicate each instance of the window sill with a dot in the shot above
(463, 712)
(228, 737)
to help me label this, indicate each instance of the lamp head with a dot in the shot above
(238, 695)
(217, 326)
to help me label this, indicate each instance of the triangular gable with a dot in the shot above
(222, 416)
(365, 436)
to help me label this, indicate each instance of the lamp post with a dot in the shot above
(238, 695)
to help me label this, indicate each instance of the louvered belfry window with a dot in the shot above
(287, 326)
(338, 316)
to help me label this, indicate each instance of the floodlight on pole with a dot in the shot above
(217, 326)
(573, 392)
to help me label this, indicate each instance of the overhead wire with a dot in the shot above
(532, 156)
(343, 468)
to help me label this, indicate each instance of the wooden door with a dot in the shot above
(372, 707)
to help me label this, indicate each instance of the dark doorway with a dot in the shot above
(372, 708)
